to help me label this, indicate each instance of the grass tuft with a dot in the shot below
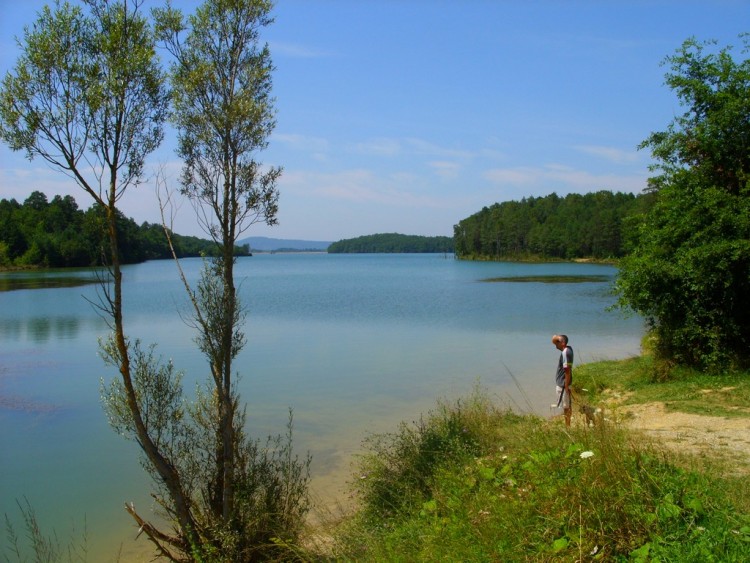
(472, 482)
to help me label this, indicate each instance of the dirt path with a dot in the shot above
(705, 436)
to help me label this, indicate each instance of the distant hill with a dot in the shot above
(265, 244)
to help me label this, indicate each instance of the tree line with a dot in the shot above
(684, 243)
(592, 225)
(57, 234)
(391, 243)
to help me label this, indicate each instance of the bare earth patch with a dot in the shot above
(705, 436)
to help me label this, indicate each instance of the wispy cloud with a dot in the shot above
(425, 147)
(379, 147)
(563, 178)
(18, 183)
(293, 50)
(515, 176)
(445, 169)
(362, 186)
(611, 154)
(302, 142)
(384, 146)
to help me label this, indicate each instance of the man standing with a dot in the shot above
(564, 375)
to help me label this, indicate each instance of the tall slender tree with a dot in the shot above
(88, 96)
(224, 114)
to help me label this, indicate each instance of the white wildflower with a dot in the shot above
(585, 455)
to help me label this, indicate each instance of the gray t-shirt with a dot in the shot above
(566, 360)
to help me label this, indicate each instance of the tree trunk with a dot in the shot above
(166, 471)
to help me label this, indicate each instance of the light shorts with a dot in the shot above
(565, 403)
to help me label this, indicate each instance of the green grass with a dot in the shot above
(682, 390)
(473, 482)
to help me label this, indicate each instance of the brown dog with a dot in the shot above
(593, 415)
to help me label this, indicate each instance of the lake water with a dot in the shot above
(352, 343)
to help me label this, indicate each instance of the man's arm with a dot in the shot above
(568, 367)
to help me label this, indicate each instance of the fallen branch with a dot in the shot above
(156, 536)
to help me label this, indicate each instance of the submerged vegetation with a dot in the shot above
(32, 280)
(548, 279)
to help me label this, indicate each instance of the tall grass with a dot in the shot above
(472, 482)
(32, 544)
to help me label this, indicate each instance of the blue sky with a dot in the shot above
(410, 115)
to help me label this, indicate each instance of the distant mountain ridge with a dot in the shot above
(266, 244)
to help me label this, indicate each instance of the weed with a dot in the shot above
(471, 482)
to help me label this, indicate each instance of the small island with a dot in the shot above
(392, 243)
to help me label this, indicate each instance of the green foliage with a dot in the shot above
(224, 112)
(87, 95)
(578, 226)
(526, 489)
(689, 272)
(271, 482)
(390, 243)
(57, 234)
(398, 469)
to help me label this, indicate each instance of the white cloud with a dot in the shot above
(445, 169)
(384, 146)
(557, 177)
(302, 142)
(379, 147)
(425, 147)
(296, 51)
(361, 186)
(514, 176)
(611, 154)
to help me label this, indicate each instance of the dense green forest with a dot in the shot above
(592, 225)
(57, 233)
(391, 242)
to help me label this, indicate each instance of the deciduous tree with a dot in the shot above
(689, 269)
(87, 95)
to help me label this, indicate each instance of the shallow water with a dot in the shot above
(352, 343)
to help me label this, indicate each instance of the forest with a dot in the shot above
(592, 225)
(57, 234)
(391, 242)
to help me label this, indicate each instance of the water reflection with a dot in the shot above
(41, 329)
(40, 281)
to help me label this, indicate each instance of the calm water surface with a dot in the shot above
(352, 343)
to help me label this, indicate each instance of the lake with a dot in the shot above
(353, 344)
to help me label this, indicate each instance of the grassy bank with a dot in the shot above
(638, 380)
(474, 482)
